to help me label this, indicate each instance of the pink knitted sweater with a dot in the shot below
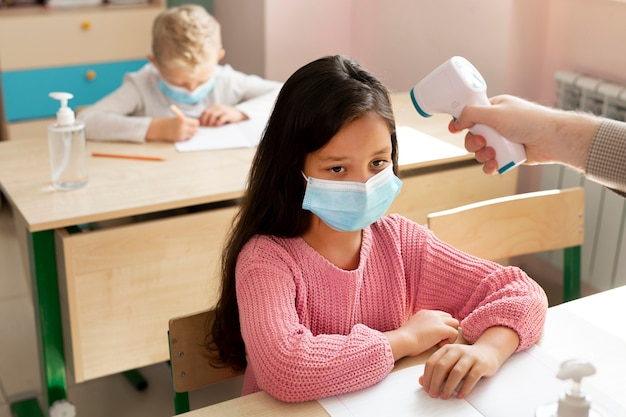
(313, 330)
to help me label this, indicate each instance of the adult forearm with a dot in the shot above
(572, 137)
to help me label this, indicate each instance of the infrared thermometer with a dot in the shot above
(452, 86)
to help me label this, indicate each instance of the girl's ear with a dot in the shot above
(220, 54)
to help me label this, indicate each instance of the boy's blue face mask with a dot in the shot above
(182, 95)
(348, 206)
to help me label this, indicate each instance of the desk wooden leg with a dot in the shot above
(46, 302)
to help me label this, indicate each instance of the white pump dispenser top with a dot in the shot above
(65, 115)
(574, 403)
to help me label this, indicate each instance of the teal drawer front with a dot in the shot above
(26, 91)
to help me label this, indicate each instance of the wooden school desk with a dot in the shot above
(573, 330)
(103, 297)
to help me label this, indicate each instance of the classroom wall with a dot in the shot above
(585, 36)
(273, 38)
(399, 42)
(243, 33)
(516, 44)
(403, 42)
(303, 30)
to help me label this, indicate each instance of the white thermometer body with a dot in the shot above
(452, 86)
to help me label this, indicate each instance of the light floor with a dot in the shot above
(103, 397)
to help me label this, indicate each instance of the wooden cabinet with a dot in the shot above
(84, 51)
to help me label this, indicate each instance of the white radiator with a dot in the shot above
(604, 248)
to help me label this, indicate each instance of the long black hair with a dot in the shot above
(312, 106)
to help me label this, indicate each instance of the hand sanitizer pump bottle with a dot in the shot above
(68, 147)
(574, 403)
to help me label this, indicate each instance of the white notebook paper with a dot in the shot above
(526, 381)
(246, 134)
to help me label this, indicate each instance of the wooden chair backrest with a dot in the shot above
(189, 358)
(515, 225)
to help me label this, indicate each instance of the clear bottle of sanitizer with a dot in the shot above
(68, 147)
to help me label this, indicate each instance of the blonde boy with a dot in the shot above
(181, 88)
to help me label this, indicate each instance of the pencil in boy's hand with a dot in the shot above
(177, 112)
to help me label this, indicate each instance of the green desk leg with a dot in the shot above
(26, 408)
(48, 323)
(136, 379)
(181, 403)
(571, 273)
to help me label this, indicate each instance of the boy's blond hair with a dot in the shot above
(185, 36)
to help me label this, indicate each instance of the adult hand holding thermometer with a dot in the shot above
(448, 89)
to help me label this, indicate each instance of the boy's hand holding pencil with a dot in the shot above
(173, 129)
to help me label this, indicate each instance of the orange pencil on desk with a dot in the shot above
(123, 156)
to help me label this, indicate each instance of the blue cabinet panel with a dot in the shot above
(26, 91)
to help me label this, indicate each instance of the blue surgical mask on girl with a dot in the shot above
(182, 95)
(348, 206)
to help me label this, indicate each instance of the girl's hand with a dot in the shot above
(219, 115)
(423, 330)
(460, 367)
(457, 366)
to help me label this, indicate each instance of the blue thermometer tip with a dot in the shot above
(506, 167)
(417, 106)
